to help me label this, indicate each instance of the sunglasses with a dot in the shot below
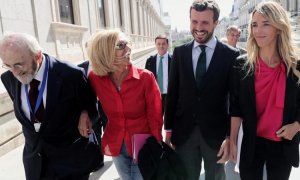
(121, 45)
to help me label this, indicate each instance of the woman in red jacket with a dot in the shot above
(130, 98)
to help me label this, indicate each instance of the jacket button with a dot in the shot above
(39, 154)
(198, 98)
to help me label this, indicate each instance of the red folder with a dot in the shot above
(138, 140)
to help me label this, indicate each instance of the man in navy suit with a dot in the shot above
(54, 147)
(196, 116)
(159, 65)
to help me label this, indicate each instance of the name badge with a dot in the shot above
(37, 126)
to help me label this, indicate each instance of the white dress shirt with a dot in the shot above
(39, 77)
(210, 48)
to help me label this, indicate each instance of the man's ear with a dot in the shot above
(39, 57)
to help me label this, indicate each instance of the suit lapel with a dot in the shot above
(188, 61)
(251, 82)
(153, 65)
(169, 63)
(289, 95)
(54, 84)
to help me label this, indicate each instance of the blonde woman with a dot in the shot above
(265, 97)
(130, 98)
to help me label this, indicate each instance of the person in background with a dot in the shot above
(196, 115)
(130, 98)
(49, 97)
(233, 35)
(159, 65)
(224, 40)
(265, 97)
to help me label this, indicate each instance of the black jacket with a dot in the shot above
(58, 142)
(243, 104)
(187, 106)
(159, 162)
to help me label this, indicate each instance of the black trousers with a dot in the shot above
(193, 151)
(270, 153)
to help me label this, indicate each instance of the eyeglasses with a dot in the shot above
(121, 45)
(15, 66)
(235, 35)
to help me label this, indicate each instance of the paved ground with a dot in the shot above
(11, 168)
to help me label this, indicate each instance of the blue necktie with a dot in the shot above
(160, 74)
(201, 65)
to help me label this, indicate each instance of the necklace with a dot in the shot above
(118, 78)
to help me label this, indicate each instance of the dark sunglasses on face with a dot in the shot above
(121, 45)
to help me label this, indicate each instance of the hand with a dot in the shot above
(85, 124)
(288, 131)
(168, 140)
(233, 151)
(224, 151)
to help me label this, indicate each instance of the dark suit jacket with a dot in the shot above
(151, 64)
(58, 142)
(103, 118)
(243, 105)
(187, 106)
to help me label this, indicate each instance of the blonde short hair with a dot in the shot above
(101, 51)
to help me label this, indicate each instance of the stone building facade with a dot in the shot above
(243, 8)
(62, 27)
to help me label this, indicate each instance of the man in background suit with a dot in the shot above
(196, 117)
(49, 98)
(154, 63)
(101, 119)
(233, 35)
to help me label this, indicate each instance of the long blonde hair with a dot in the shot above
(286, 48)
(101, 51)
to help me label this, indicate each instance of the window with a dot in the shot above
(66, 11)
(101, 12)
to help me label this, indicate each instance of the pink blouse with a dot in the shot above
(270, 95)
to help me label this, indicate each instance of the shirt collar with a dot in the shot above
(40, 73)
(158, 55)
(210, 44)
(133, 72)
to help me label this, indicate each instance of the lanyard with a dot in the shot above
(40, 95)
